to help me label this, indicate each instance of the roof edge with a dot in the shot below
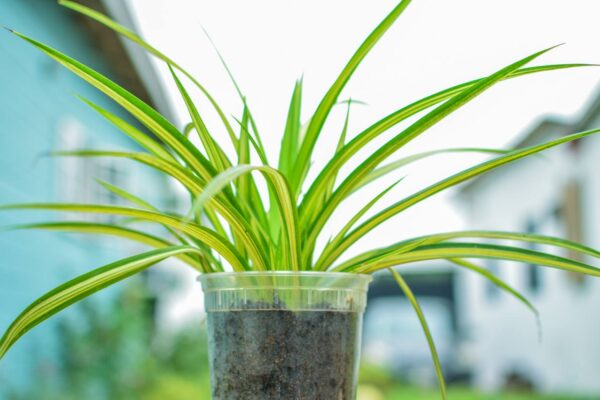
(121, 12)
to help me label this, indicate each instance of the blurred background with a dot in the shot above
(144, 338)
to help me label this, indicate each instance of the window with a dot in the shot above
(492, 291)
(563, 219)
(533, 277)
(107, 170)
(77, 175)
(71, 172)
(572, 221)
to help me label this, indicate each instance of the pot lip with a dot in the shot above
(322, 274)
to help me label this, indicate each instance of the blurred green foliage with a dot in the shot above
(114, 352)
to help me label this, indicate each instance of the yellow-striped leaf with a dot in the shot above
(81, 287)
(423, 321)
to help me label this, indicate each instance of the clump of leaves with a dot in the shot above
(234, 225)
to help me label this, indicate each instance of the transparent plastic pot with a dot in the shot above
(284, 335)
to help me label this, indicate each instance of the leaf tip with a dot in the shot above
(8, 228)
(68, 3)
(556, 45)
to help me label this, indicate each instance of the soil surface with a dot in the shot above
(287, 355)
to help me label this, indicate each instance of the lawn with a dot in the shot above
(379, 384)
(370, 392)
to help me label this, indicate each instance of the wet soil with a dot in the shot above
(287, 355)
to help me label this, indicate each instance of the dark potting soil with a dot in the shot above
(286, 355)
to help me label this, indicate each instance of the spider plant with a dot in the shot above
(234, 225)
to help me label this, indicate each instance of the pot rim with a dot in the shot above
(323, 274)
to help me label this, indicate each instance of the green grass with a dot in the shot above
(467, 394)
(232, 225)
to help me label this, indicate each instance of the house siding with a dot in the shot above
(563, 356)
(37, 100)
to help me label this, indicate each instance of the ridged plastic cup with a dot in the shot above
(284, 335)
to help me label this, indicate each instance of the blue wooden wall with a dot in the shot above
(37, 96)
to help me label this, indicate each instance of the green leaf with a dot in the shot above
(122, 193)
(191, 182)
(395, 165)
(187, 129)
(126, 195)
(258, 141)
(341, 142)
(246, 184)
(135, 134)
(408, 245)
(216, 155)
(149, 117)
(172, 169)
(434, 355)
(421, 125)
(120, 29)
(284, 199)
(377, 254)
(255, 144)
(80, 288)
(195, 185)
(243, 184)
(224, 64)
(451, 181)
(112, 230)
(200, 233)
(338, 148)
(474, 250)
(522, 237)
(340, 235)
(291, 135)
(311, 200)
(496, 281)
(330, 98)
(144, 204)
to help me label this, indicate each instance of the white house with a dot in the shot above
(557, 193)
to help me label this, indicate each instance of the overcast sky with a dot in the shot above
(434, 44)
